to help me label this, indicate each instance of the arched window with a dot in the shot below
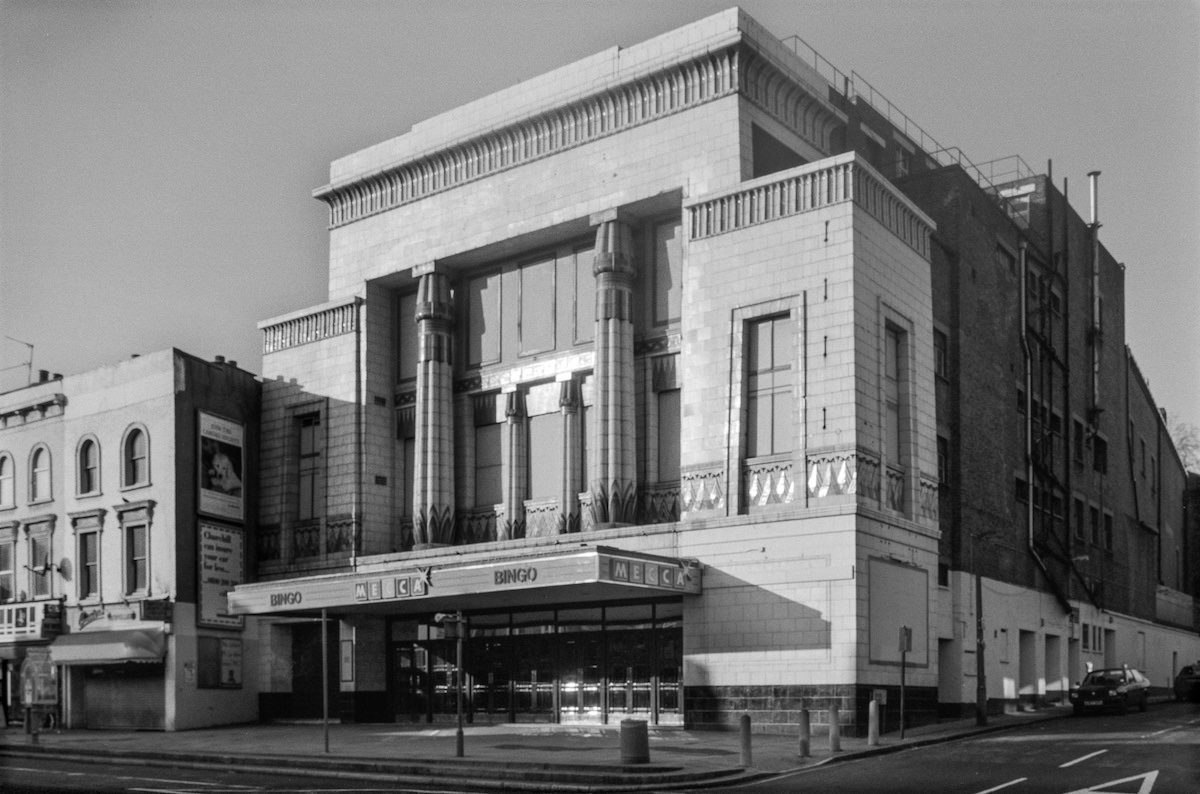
(8, 496)
(89, 467)
(136, 470)
(39, 475)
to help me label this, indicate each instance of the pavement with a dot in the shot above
(502, 757)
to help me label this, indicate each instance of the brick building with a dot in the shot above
(125, 497)
(677, 373)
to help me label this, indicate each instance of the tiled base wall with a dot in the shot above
(776, 709)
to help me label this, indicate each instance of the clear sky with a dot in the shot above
(157, 159)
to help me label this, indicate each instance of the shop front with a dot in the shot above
(114, 668)
(24, 626)
(590, 636)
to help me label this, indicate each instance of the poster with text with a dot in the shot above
(222, 567)
(221, 467)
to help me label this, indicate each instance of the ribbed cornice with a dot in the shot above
(711, 76)
(844, 178)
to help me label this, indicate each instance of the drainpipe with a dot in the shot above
(1093, 178)
(1028, 354)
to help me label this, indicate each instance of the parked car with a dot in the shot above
(1187, 682)
(1114, 687)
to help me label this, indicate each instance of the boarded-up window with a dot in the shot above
(537, 307)
(483, 320)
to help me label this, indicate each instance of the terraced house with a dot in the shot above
(126, 496)
(660, 377)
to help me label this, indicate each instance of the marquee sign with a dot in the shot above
(590, 566)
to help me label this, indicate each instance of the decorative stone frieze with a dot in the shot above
(702, 489)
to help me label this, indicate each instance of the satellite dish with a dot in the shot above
(64, 569)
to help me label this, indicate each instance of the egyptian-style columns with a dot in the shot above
(570, 404)
(433, 487)
(613, 450)
(516, 465)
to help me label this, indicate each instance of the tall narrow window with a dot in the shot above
(89, 467)
(483, 320)
(585, 296)
(7, 573)
(137, 559)
(39, 559)
(939, 355)
(943, 461)
(668, 435)
(311, 493)
(489, 484)
(893, 372)
(536, 326)
(7, 489)
(1100, 455)
(136, 469)
(39, 475)
(769, 386)
(668, 272)
(545, 455)
(1108, 531)
(406, 349)
(89, 564)
(1078, 516)
(1095, 517)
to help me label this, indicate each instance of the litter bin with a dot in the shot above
(635, 742)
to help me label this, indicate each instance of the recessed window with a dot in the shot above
(668, 435)
(39, 564)
(1100, 455)
(136, 468)
(89, 564)
(489, 483)
(668, 272)
(137, 559)
(39, 475)
(769, 394)
(7, 573)
(311, 493)
(7, 481)
(89, 467)
(939, 355)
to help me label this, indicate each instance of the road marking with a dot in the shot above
(1003, 785)
(1102, 788)
(1082, 758)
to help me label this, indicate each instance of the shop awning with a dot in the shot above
(109, 647)
(11, 651)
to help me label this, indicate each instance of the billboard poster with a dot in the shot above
(222, 461)
(222, 567)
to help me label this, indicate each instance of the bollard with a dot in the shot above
(873, 723)
(805, 734)
(635, 743)
(835, 731)
(747, 756)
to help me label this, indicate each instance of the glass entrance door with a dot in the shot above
(581, 671)
(409, 684)
(630, 662)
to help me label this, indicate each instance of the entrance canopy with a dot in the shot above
(109, 647)
(592, 574)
